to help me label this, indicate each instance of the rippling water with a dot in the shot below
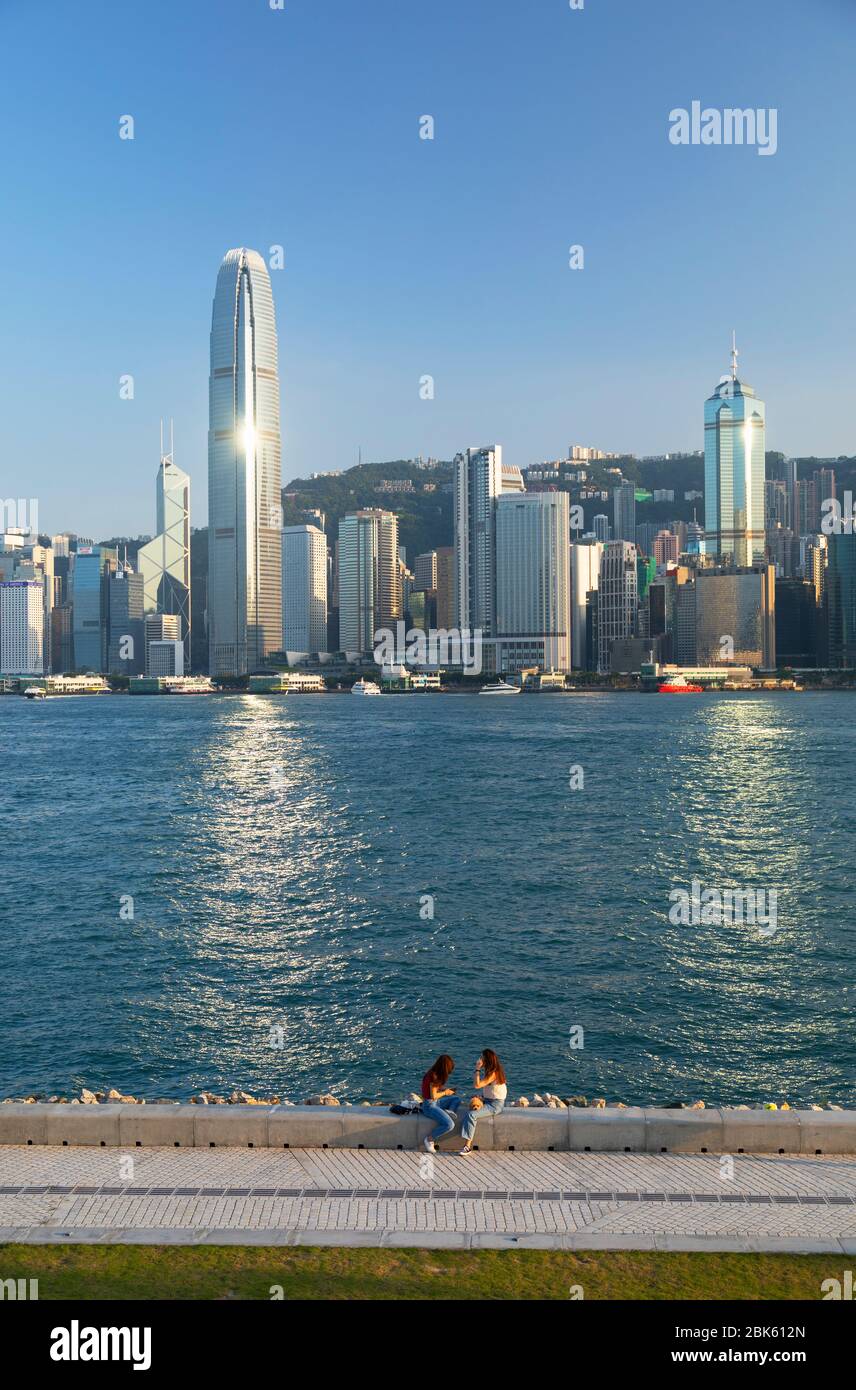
(278, 853)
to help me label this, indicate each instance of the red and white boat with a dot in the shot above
(678, 685)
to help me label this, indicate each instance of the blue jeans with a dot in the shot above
(471, 1119)
(438, 1110)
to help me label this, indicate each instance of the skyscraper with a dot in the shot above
(304, 589)
(734, 444)
(479, 480)
(164, 562)
(244, 496)
(533, 617)
(585, 577)
(22, 627)
(616, 597)
(126, 654)
(89, 593)
(369, 583)
(841, 599)
(624, 512)
(735, 616)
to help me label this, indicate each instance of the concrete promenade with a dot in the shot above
(384, 1197)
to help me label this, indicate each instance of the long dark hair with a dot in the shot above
(492, 1065)
(442, 1069)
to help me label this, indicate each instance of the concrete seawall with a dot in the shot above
(632, 1130)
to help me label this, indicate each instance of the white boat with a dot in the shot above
(364, 687)
(500, 687)
(35, 692)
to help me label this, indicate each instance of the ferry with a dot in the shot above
(35, 692)
(678, 685)
(364, 687)
(500, 687)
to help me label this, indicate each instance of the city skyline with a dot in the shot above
(681, 244)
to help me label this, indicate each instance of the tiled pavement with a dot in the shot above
(384, 1197)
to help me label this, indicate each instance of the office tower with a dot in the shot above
(62, 640)
(841, 600)
(734, 442)
(736, 616)
(585, 576)
(601, 527)
(369, 579)
(164, 562)
(166, 658)
(244, 498)
(624, 512)
(425, 570)
(665, 549)
(35, 562)
(684, 647)
(680, 530)
(304, 589)
(89, 597)
(645, 536)
(159, 627)
(616, 597)
(445, 587)
(784, 551)
(533, 621)
(480, 479)
(796, 623)
(126, 654)
(22, 627)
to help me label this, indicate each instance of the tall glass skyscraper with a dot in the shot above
(734, 444)
(244, 497)
(164, 562)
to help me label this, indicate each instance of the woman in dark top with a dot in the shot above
(439, 1101)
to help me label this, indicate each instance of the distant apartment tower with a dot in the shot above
(616, 597)
(585, 577)
(160, 627)
(164, 562)
(369, 578)
(665, 548)
(244, 497)
(533, 617)
(734, 444)
(304, 589)
(22, 627)
(624, 512)
(601, 527)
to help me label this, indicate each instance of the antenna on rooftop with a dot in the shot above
(734, 355)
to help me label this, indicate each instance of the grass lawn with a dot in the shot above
(310, 1272)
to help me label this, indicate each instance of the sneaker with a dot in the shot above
(428, 1146)
(465, 1150)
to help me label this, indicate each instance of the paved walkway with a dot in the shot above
(381, 1197)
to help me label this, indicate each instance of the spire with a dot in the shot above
(734, 356)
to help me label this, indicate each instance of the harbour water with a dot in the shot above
(366, 883)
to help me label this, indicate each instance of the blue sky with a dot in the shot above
(407, 257)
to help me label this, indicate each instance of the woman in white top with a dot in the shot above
(490, 1079)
